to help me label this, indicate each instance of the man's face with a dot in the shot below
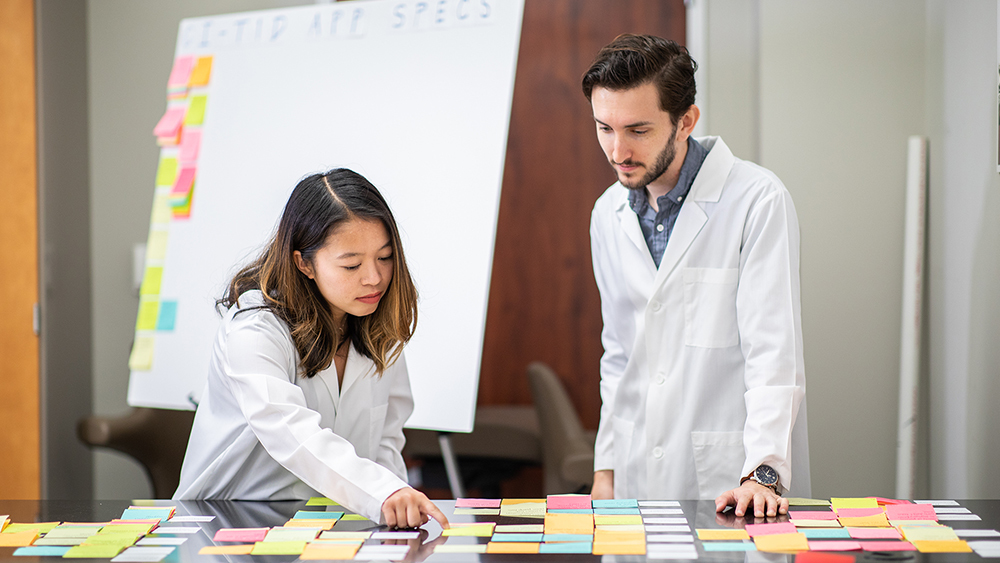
(637, 136)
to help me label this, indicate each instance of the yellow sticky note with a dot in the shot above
(928, 533)
(41, 527)
(151, 281)
(278, 548)
(183, 211)
(782, 543)
(156, 245)
(618, 519)
(726, 534)
(479, 530)
(166, 172)
(618, 537)
(93, 551)
(196, 111)
(942, 546)
(141, 358)
(866, 502)
(569, 523)
(148, 310)
(620, 528)
(511, 547)
(201, 73)
(798, 501)
(4, 522)
(310, 523)
(876, 521)
(461, 548)
(619, 548)
(321, 501)
(329, 551)
(18, 539)
(240, 549)
(162, 212)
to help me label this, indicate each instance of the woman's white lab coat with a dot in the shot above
(702, 378)
(262, 432)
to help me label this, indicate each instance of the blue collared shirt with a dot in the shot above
(657, 225)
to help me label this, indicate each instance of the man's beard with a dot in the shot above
(662, 163)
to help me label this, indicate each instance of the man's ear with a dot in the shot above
(302, 265)
(688, 121)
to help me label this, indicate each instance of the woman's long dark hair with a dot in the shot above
(317, 206)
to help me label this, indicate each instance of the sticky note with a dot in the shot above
(72, 531)
(885, 501)
(181, 72)
(317, 514)
(729, 546)
(910, 512)
(40, 527)
(669, 503)
(776, 528)
(616, 520)
(60, 541)
(524, 510)
(41, 551)
(243, 549)
(461, 548)
(151, 554)
(628, 528)
(93, 551)
(567, 537)
(511, 547)
(278, 548)
(181, 187)
(859, 512)
(196, 111)
(310, 523)
(887, 546)
(569, 524)
(928, 533)
(477, 511)
(570, 511)
(151, 281)
(395, 535)
(321, 501)
(338, 535)
(781, 542)
(816, 523)
(354, 518)
(183, 209)
(616, 511)
(834, 545)
(190, 145)
(603, 548)
(878, 520)
(516, 528)
(156, 244)
(866, 502)
(291, 534)
(812, 515)
(327, 551)
(241, 534)
(722, 534)
(821, 557)
(568, 501)
(875, 533)
(484, 530)
(536, 538)
(798, 501)
(942, 546)
(566, 547)
(166, 172)
(477, 503)
(18, 539)
(613, 537)
(201, 72)
(826, 533)
(167, 316)
(170, 123)
(148, 309)
(615, 503)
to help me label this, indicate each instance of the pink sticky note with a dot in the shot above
(911, 512)
(834, 545)
(568, 501)
(875, 533)
(820, 557)
(190, 144)
(477, 503)
(185, 178)
(241, 534)
(881, 500)
(767, 529)
(181, 72)
(171, 121)
(812, 515)
(858, 512)
(887, 546)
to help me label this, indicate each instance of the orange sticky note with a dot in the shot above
(942, 546)
(511, 547)
(782, 543)
(243, 549)
(875, 521)
(202, 72)
(619, 548)
(727, 534)
(310, 523)
(569, 523)
(507, 501)
(18, 539)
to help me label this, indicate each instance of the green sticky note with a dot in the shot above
(151, 281)
(168, 315)
(796, 501)
(166, 172)
(141, 358)
(278, 548)
(41, 527)
(285, 535)
(93, 551)
(196, 111)
(321, 501)
(148, 310)
(354, 517)
(72, 531)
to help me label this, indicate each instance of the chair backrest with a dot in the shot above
(563, 434)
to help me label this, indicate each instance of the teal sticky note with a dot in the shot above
(570, 511)
(567, 547)
(614, 510)
(567, 538)
(42, 551)
(728, 546)
(310, 514)
(616, 503)
(531, 538)
(825, 533)
(163, 514)
(168, 315)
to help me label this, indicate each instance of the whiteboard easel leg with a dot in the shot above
(451, 465)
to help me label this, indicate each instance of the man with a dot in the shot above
(702, 378)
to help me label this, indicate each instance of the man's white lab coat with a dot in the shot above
(702, 377)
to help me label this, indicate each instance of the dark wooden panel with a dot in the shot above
(543, 299)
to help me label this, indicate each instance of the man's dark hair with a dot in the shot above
(633, 60)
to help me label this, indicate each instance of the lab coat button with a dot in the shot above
(655, 305)
(657, 452)
(660, 380)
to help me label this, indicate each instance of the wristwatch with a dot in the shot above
(764, 475)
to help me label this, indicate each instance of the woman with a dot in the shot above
(307, 389)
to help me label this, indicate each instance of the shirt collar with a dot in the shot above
(689, 171)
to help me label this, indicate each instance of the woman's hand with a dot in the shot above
(604, 485)
(409, 508)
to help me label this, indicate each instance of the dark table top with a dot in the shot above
(242, 514)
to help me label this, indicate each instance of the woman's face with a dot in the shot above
(353, 269)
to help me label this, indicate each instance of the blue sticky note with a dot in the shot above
(825, 533)
(569, 511)
(42, 550)
(163, 514)
(616, 503)
(568, 547)
(532, 538)
(728, 546)
(316, 514)
(616, 511)
(567, 538)
(168, 315)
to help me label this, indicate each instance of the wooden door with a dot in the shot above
(19, 415)
(543, 302)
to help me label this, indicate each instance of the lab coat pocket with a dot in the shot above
(623, 430)
(710, 307)
(377, 414)
(718, 461)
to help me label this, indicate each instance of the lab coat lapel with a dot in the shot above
(355, 369)
(707, 187)
(630, 225)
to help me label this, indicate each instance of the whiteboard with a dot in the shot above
(415, 96)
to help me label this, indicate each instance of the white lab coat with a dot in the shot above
(702, 377)
(262, 432)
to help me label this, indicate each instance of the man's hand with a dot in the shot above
(604, 484)
(750, 493)
(409, 508)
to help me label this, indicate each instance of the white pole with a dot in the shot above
(909, 350)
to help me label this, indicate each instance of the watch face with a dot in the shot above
(766, 475)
